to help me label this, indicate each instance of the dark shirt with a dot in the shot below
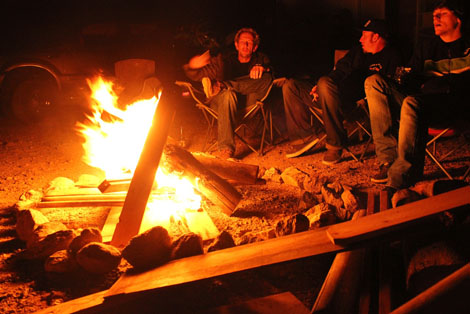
(227, 67)
(360, 65)
(440, 67)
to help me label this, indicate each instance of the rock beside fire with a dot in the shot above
(223, 241)
(341, 198)
(29, 200)
(26, 221)
(87, 235)
(98, 258)
(149, 249)
(294, 177)
(44, 230)
(60, 262)
(54, 242)
(294, 224)
(189, 244)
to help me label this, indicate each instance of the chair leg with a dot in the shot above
(439, 164)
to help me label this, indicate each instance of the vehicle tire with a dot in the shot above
(33, 100)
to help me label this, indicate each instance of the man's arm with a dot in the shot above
(204, 66)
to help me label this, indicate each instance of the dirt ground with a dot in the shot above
(33, 155)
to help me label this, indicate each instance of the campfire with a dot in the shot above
(114, 139)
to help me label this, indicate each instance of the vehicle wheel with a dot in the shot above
(33, 100)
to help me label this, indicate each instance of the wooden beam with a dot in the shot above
(144, 174)
(216, 189)
(339, 291)
(450, 295)
(385, 267)
(400, 217)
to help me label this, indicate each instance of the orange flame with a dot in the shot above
(114, 139)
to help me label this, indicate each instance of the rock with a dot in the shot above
(149, 249)
(223, 241)
(189, 244)
(29, 200)
(60, 262)
(87, 235)
(308, 200)
(405, 196)
(26, 221)
(293, 176)
(88, 180)
(57, 241)
(314, 183)
(252, 237)
(98, 258)
(321, 215)
(349, 200)
(43, 230)
(272, 174)
(332, 194)
(60, 185)
(295, 224)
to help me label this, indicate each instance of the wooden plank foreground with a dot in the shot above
(227, 261)
(291, 247)
(386, 221)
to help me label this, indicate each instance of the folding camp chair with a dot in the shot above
(431, 147)
(259, 109)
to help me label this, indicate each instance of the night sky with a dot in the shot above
(289, 29)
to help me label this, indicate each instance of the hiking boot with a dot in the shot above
(224, 153)
(299, 149)
(382, 175)
(332, 156)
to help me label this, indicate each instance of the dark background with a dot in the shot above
(299, 35)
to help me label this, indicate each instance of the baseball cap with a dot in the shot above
(377, 26)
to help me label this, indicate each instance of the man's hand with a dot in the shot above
(256, 71)
(314, 93)
(199, 61)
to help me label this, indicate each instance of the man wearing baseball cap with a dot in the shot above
(338, 91)
(436, 90)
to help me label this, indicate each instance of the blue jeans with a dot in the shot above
(384, 101)
(297, 98)
(227, 105)
(416, 113)
(336, 100)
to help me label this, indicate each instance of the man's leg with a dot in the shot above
(382, 99)
(408, 167)
(254, 89)
(225, 103)
(297, 98)
(336, 136)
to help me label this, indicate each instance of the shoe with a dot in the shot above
(209, 89)
(382, 175)
(300, 149)
(332, 156)
(224, 153)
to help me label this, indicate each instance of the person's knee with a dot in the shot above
(324, 84)
(374, 81)
(288, 87)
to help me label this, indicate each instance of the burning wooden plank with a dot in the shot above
(219, 191)
(235, 172)
(144, 174)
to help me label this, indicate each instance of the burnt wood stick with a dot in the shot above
(144, 174)
(237, 173)
(232, 171)
(216, 189)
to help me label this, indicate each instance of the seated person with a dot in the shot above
(435, 90)
(244, 71)
(342, 86)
